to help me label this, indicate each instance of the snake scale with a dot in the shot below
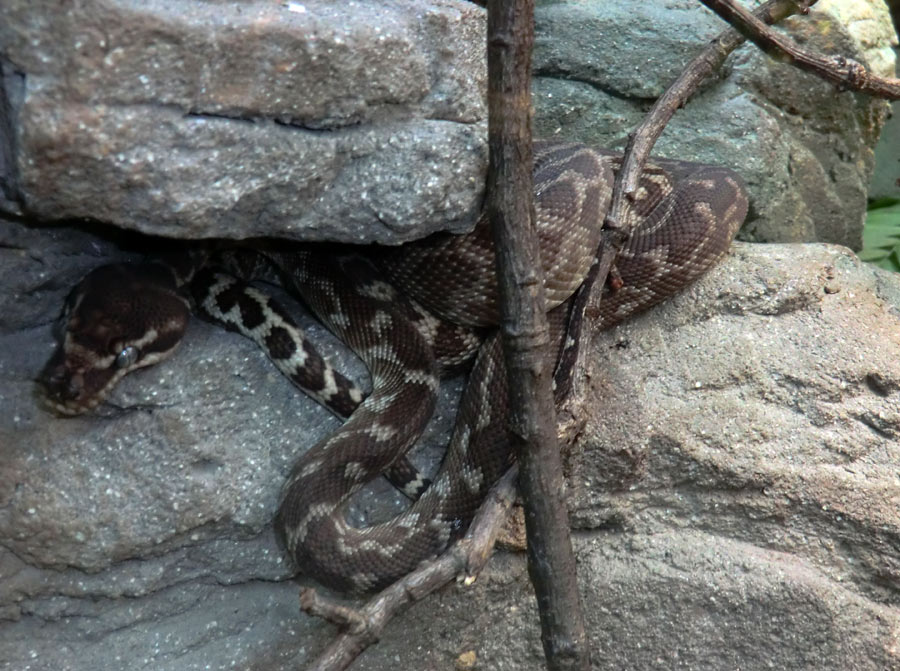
(413, 314)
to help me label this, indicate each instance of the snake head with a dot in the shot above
(119, 318)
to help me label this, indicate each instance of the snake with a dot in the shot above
(414, 314)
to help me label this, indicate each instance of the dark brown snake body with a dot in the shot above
(411, 313)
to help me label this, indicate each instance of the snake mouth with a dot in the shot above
(71, 389)
(70, 408)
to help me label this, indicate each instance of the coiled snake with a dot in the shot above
(411, 313)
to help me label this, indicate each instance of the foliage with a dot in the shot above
(881, 235)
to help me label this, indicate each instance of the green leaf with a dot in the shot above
(882, 203)
(881, 234)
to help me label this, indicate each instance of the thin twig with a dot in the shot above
(644, 137)
(361, 627)
(846, 73)
(708, 61)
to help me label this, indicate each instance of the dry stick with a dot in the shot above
(844, 72)
(642, 139)
(708, 61)
(362, 626)
(526, 335)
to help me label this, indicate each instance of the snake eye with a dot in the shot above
(127, 357)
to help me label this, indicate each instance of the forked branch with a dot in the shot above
(845, 73)
(361, 627)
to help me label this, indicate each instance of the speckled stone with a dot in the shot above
(362, 122)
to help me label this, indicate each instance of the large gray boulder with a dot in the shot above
(241, 119)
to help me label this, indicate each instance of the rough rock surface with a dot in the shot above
(806, 153)
(237, 119)
(735, 490)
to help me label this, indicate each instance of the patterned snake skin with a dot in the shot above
(412, 313)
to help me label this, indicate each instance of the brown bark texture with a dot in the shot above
(526, 335)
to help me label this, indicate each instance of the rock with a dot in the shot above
(245, 119)
(734, 490)
(775, 397)
(806, 153)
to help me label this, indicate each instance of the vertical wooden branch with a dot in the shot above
(526, 336)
